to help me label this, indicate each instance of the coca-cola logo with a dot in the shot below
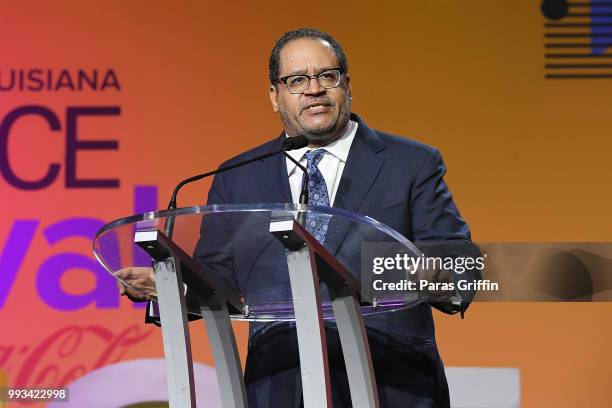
(57, 361)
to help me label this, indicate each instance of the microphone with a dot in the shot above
(294, 143)
(301, 217)
(290, 143)
(304, 193)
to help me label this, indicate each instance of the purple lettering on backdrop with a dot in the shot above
(15, 249)
(64, 81)
(104, 295)
(110, 81)
(10, 87)
(5, 128)
(145, 199)
(34, 77)
(73, 144)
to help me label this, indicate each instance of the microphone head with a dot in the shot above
(296, 142)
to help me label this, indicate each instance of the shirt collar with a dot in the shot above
(339, 148)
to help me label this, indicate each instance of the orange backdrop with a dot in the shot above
(527, 158)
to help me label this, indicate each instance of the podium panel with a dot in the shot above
(261, 263)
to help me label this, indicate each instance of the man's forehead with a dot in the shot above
(301, 53)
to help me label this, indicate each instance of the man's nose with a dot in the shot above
(314, 88)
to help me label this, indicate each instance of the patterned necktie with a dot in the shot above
(316, 224)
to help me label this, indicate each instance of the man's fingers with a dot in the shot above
(122, 273)
(137, 283)
(119, 284)
(142, 287)
(136, 296)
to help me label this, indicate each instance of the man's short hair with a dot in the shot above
(274, 63)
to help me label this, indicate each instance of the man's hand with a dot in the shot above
(140, 283)
(438, 280)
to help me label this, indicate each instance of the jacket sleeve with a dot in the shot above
(439, 230)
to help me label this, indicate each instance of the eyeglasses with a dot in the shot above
(297, 84)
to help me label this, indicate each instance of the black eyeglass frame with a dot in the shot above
(310, 77)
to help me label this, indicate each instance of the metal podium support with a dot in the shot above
(312, 343)
(309, 261)
(177, 345)
(172, 267)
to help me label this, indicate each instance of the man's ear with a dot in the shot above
(348, 87)
(274, 97)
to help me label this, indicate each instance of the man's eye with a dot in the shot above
(296, 80)
(327, 75)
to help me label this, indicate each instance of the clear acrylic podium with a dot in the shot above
(259, 263)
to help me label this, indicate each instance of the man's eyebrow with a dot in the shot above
(304, 71)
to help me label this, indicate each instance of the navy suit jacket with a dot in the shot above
(392, 179)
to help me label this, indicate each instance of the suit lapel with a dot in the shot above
(271, 176)
(361, 170)
(362, 167)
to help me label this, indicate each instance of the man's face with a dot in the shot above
(320, 114)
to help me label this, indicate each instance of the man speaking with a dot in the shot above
(350, 166)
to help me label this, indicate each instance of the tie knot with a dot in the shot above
(314, 157)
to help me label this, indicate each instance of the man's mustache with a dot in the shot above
(315, 103)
